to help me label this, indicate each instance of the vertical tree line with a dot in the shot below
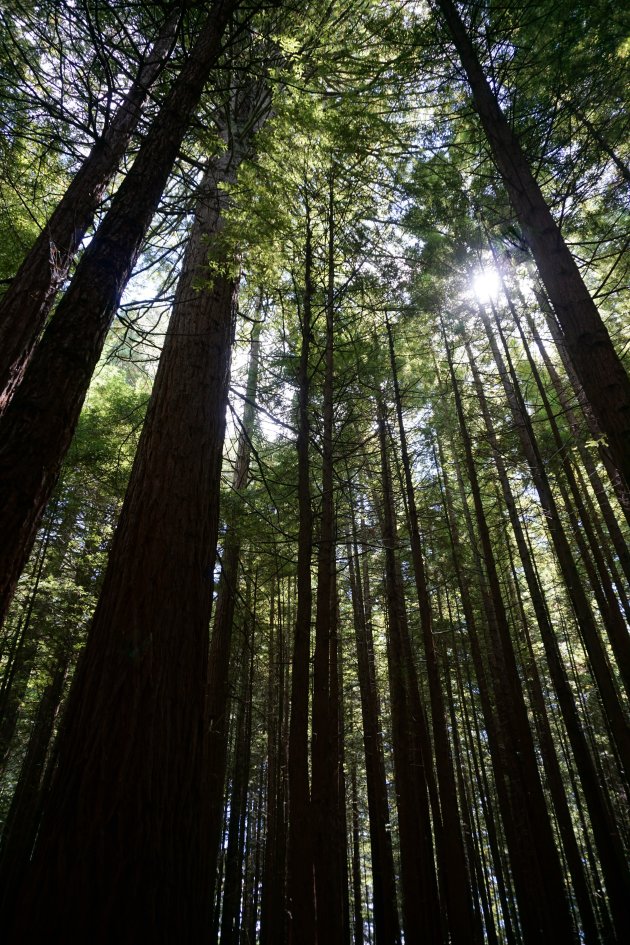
(314, 466)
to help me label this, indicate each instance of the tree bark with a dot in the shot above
(540, 889)
(325, 748)
(124, 839)
(27, 302)
(37, 427)
(386, 924)
(300, 879)
(450, 842)
(412, 760)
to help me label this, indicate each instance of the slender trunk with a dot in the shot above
(582, 526)
(451, 852)
(605, 831)
(235, 853)
(492, 718)
(300, 884)
(543, 906)
(386, 925)
(272, 905)
(21, 823)
(620, 486)
(598, 366)
(27, 302)
(412, 764)
(124, 841)
(38, 425)
(589, 630)
(221, 641)
(325, 760)
(357, 907)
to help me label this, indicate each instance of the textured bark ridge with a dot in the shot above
(36, 429)
(28, 300)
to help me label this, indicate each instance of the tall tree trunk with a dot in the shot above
(450, 842)
(124, 840)
(386, 925)
(598, 366)
(235, 853)
(412, 760)
(38, 425)
(27, 302)
(221, 641)
(606, 832)
(21, 823)
(300, 879)
(272, 905)
(357, 907)
(325, 754)
(492, 719)
(613, 710)
(543, 906)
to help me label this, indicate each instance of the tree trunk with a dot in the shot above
(613, 710)
(386, 925)
(412, 764)
(543, 906)
(300, 879)
(606, 833)
(21, 823)
(325, 749)
(235, 853)
(124, 842)
(37, 427)
(450, 842)
(221, 641)
(27, 302)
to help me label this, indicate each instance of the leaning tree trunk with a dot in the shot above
(123, 844)
(599, 368)
(614, 713)
(28, 300)
(565, 698)
(38, 425)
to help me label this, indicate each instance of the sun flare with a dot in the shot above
(486, 285)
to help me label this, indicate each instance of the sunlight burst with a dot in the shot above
(486, 285)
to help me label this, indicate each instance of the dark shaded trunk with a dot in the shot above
(412, 757)
(27, 302)
(539, 883)
(235, 853)
(21, 823)
(325, 748)
(38, 425)
(386, 925)
(272, 918)
(300, 879)
(221, 641)
(606, 833)
(613, 710)
(124, 840)
(454, 877)
(599, 368)
(357, 907)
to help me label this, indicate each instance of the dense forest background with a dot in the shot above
(315, 472)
